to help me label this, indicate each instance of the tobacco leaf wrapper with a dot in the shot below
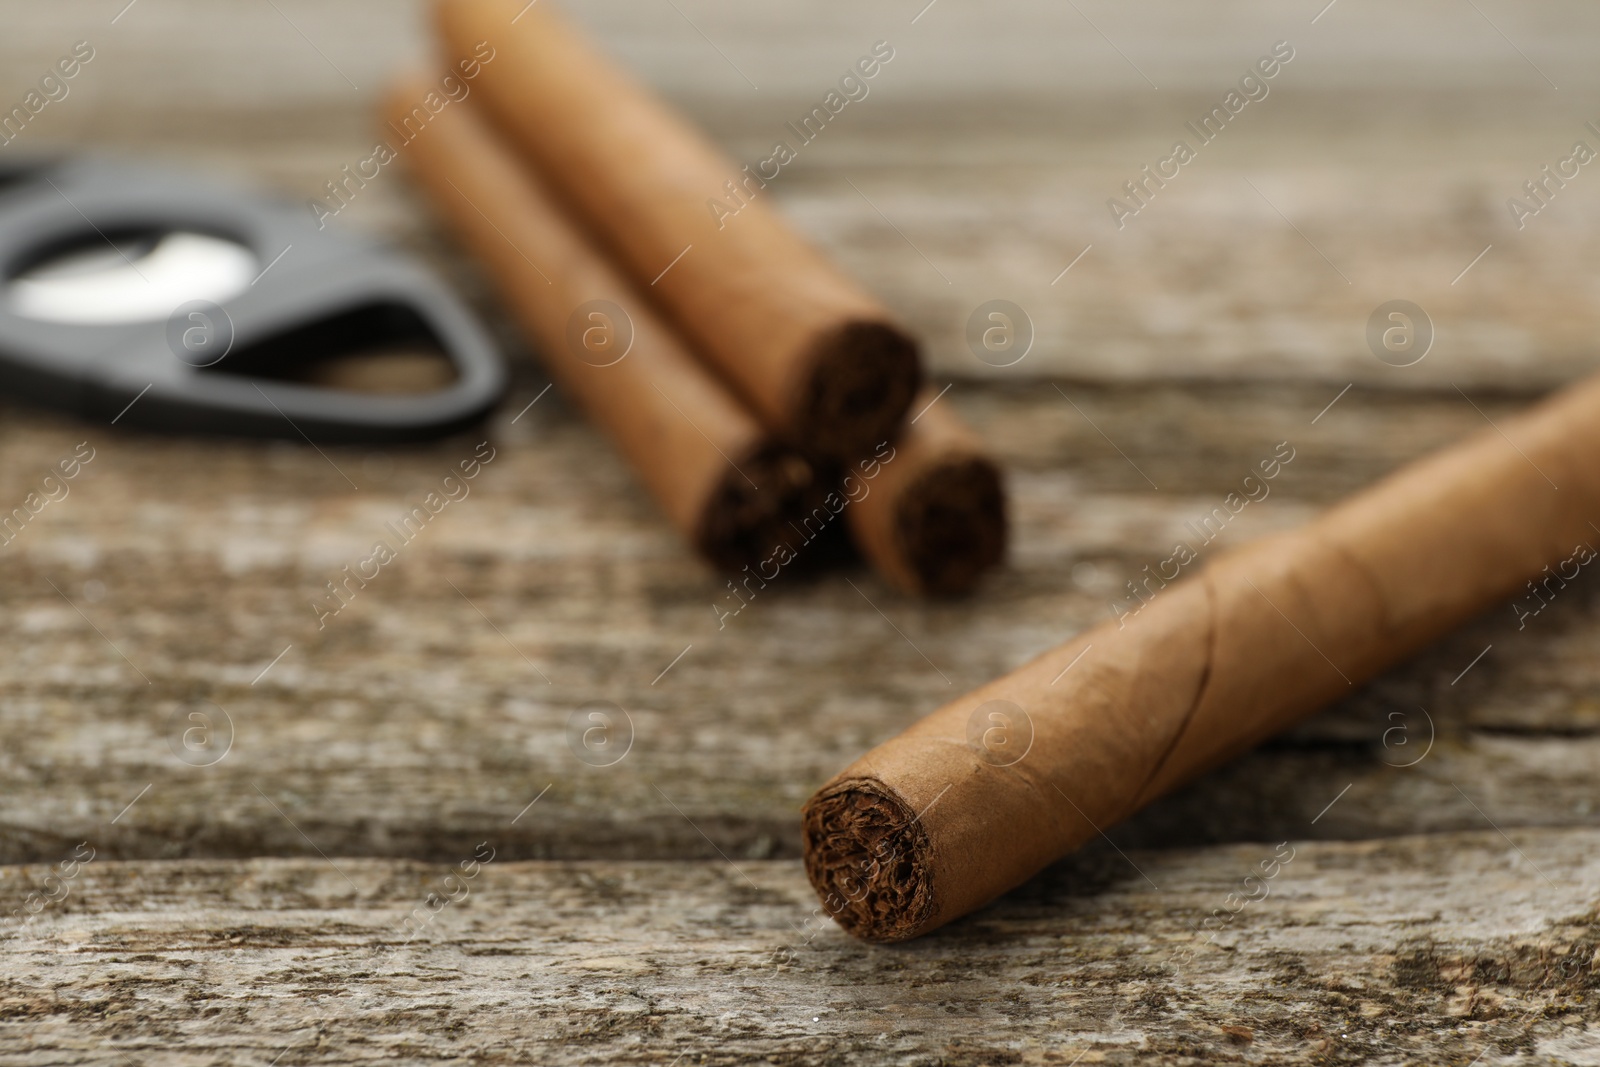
(716, 473)
(819, 361)
(935, 519)
(987, 790)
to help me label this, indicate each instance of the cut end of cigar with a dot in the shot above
(863, 376)
(755, 518)
(952, 524)
(868, 859)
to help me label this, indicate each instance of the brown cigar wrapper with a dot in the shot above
(818, 360)
(690, 441)
(930, 825)
(934, 518)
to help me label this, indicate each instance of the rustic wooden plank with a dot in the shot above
(412, 720)
(1419, 950)
(986, 152)
(420, 721)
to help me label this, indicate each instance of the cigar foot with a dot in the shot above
(867, 858)
(952, 524)
(760, 516)
(862, 378)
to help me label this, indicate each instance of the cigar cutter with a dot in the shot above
(152, 298)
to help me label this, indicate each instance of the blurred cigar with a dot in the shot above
(818, 360)
(716, 473)
(987, 790)
(935, 518)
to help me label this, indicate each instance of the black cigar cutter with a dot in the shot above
(153, 298)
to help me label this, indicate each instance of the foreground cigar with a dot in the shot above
(817, 359)
(987, 790)
(713, 470)
(935, 519)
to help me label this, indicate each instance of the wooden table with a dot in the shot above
(1446, 832)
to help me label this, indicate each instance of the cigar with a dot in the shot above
(934, 519)
(819, 361)
(717, 474)
(987, 790)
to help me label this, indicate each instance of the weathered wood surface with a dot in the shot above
(1382, 158)
(1443, 949)
(411, 720)
(427, 715)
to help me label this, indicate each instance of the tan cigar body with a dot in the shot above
(944, 818)
(696, 449)
(817, 359)
(935, 518)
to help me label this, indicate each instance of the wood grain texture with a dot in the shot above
(427, 715)
(422, 709)
(1416, 950)
(980, 165)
